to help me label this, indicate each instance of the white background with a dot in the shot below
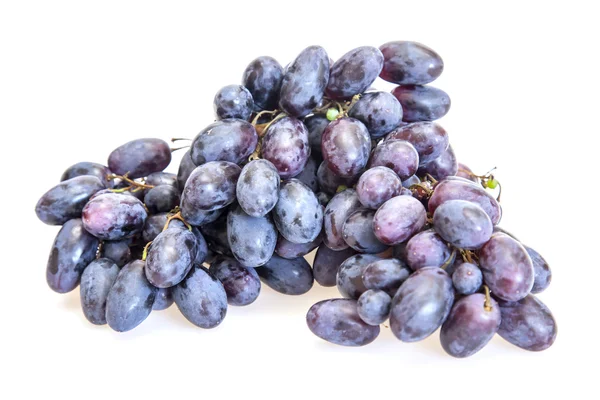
(78, 78)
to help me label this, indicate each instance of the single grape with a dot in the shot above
(262, 78)
(426, 249)
(466, 173)
(258, 188)
(289, 250)
(170, 257)
(241, 284)
(412, 180)
(381, 113)
(210, 187)
(293, 277)
(96, 281)
(541, 270)
(140, 158)
(114, 216)
(315, 124)
(155, 224)
(463, 224)
(285, 144)
(374, 306)
(422, 103)
(230, 140)
(357, 232)
(186, 167)
(349, 275)
(251, 239)
(376, 186)
(308, 176)
(233, 101)
(89, 169)
(298, 214)
(202, 246)
(163, 300)
(161, 178)
(354, 72)
(429, 139)
(327, 262)
(398, 155)
(442, 167)
(346, 145)
(117, 251)
(410, 63)
(215, 234)
(161, 199)
(387, 275)
(329, 182)
(336, 212)
(467, 278)
(323, 198)
(398, 219)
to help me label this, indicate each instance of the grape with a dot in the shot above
(258, 188)
(398, 219)
(357, 232)
(379, 111)
(298, 214)
(386, 275)
(202, 246)
(315, 124)
(412, 180)
(201, 298)
(376, 186)
(528, 324)
(345, 145)
(241, 284)
(215, 234)
(507, 268)
(162, 178)
(308, 176)
(114, 216)
(463, 224)
(304, 82)
(140, 158)
(374, 306)
(349, 275)
(329, 182)
(461, 190)
(429, 139)
(117, 251)
(66, 200)
(233, 101)
(161, 198)
(96, 280)
(130, 299)
(323, 198)
(442, 167)
(336, 212)
(327, 262)
(88, 169)
(285, 144)
(410, 63)
(289, 250)
(155, 224)
(398, 155)
(421, 304)
(186, 168)
(210, 187)
(426, 249)
(230, 140)
(291, 277)
(470, 326)
(467, 173)
(422, 103)
(251, 239)
(163, 300)
(262, 78)
(354, 72)
(467, 278)
(170, 257)
(541, 270)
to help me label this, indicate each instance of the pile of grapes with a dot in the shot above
(305, 157)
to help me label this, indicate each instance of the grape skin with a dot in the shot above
(161, 198)
(467, 278)
(289, 250)
(398, 219)
(354, 72)
(230, 140)
(298, 214)
(380, 112)
(315, 124)
(349, 275)
(117, 251)
(114, 216)
(429, 139)
(162, 178)
(186, 167)
(345, 146)
(233, 101)
(96, 281)
(426, 249)
(258, 188)
(411, 180)
(262, 78)
(210, 187)
(466, 173)
(357, 232)
(336, 212)
(308, 176)
(155, 224)
(327, 262)
(285, 144)
(88, 169)
(442, 167)
(292, 277)
(329, 182)
(463, 224)
(251, 239)
(215, 234)
(422, 103)
(386, 275)
(410, 63)
(170, 257)
(374, 306)
(542, 271)
(242, 284)
(140, 158)
(398, 155)
(376, 186)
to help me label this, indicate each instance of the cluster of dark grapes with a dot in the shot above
(305, 157)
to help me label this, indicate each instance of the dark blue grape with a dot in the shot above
(285, 144)
(329, 182)
(410, 63)
(251, 239)
(463, 224)
(357, 232)
(210, 187)
(96, 281)
(114, 216)
(426, 249)
(88, 169)
(202, 246)
(262, 78)
(376, 186)
(541, 270)
(398, 155)
(289, 250)
(381, 113)
(163, 198)
(293, 277)
(140, 158)
(349, 275)
(241, 284)
(354, 72)
(186, 167)
(422, 103)
(298, 214)
(428, 138)
(233, 101)
(258, 188)
(155, 224)
(170, 257)
(162, 178)
(230, 140)
(308, 176)
(336, 212)
(387, 275)
(398, 219)
(163, 300)
(346, 145)
(315, 124)
(215, 234)
(467, 278)
(327, 262)
(117, 251)
(442, 167)
(374, 306)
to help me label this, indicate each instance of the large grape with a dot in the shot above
(442, 167)
(88, 169)
(541, 270)
(354, 72)
(421, 304)
(386, 274)
(410, 63)
(117, 251)
(376, 186)
(422, 103)
(381, 113)
(293, 277)
(289, 250)
(398, 155)
(298, 214)
(114, 216)
(304, 82)
(140, 158)
(170, 257)
(470, 325)
(327, 262)
(251, 239)
(163, 299)
(329, 182)
(349, 275)
(507, 268)
(210, 187)
(230, 140)
(429, 139)
(262, 78)
(161, 199)
(258, 188)
(66, 200)
(358, 233)
(308, 176)
(315, 124)
(96, 281)
(346, 145)
(463, 224)
(374, 306)
(467, 278)
(233, 101)
(336, 212)
(285, 144)
(398, 219)
(186, 167)
(426, 249)
(241, 284)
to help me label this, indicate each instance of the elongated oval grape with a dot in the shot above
(96, 281)
(262, 78)
(298, 214)
(163, 299)
(421, 304)
(442, 167)
(242, 284)
(289, 250)
(426, 249)
(170, 257)
(73, 249)
(161, 199)
(337, 321)
(66, 200)
(114, 216)
(329, 182)
(463, 224)
(308, 176)
(304, 82)
(507, 268)
(201, 298)
(285, 144)
(470, 326)
(398, 155)
(140, 158)
(130, 299)
(376, 186)
(201, 246)
(336, 212)
(258, 188)
(467, 278)
(346, 145)
(380, 112)
(88, 169)
(542, 274)
(528, 324)
(374, 306)
(398, 219)
(293, 277)
(233, 101)
(357, 232)
(453, 189)
(410, 63)
(215, 234)
(386, 274)
(327, 262)
(186, 167)
(251, 239)
(354, 72)
(210, 187)
(429, 139)
(230, 140)
(315, 124)
(349, 275)
(117, 251)
(422, 103)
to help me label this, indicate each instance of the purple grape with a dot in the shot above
(96, 281)
(327, 262)
(289, 250)
(298, 214)
(308, 176)
(467, 278)
(422, 103)
(262, 78)
(162, 178)
(357, 232)
(114, 216)
(349, 275)
(541, 270)
(323, 198)
(426, 249)
(170, 257)
(186, 167)
(155, 224)
(463, 224)
(336, 212)
(241, 284)
(387, 275)
(528, 324)
(230, 140)
(315, 124)
(442, 167)
(337, 321)
(329, 182)
(210, 187)
(140, 158)
(258, 188)
(202, 246)
(117, 251)
(374, 306)
(163, 198)
(379, 111)
(251, 239)
(304, 82)
(398, 155)
(346, 145)
(470, 326)
(376, 186)
(215, 234)
(285, 144)
(88, 169)
(233, 101)
(293, 277)
(421, 304)
(398, 219)
(410, 63)
(354, 72)
(163, 300)
(429, 139)
(466, 173)
(412, 180)
(507, 268)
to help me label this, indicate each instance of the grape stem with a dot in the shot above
(133, 185)
(179, 139)
(145, 252)
(450, 259)
(421, 186)
(174, 149)
(260, 114)
(486, 180)
(487, 305)
(178, 216)
(261, 129)
(99, 249)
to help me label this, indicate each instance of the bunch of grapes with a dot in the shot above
(300, 158)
